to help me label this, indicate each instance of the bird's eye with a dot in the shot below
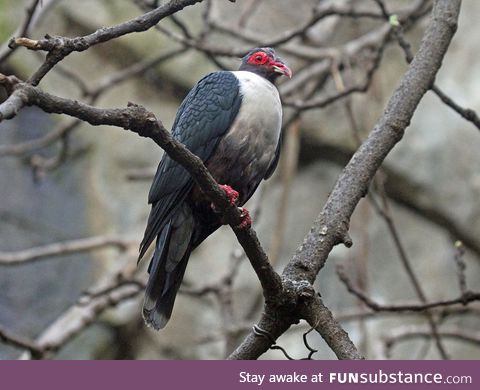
(258, 58)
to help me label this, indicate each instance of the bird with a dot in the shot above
(232, 121)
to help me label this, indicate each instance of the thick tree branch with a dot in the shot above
(331, 226)
(321, 319)
(256, 344)
(398, 187)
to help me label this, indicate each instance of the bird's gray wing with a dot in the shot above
(202, 119)
(276, 158)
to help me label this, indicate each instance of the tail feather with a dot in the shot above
(167, 268)
(156, 280)
(159, 316)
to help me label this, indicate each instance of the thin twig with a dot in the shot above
(23, 343)
(461, 267)
(462, 300)
(22, 30)
(64, 248)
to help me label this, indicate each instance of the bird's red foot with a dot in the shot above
(246, 219)
(232, 195)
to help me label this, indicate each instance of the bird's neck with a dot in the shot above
(265, 73)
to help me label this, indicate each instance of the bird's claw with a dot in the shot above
(232, 195)
(246, 219)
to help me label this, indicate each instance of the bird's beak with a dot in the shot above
(280, 67)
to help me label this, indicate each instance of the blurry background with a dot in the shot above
(61, 181)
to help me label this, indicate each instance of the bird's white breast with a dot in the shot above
(245, 153)
(261, 108)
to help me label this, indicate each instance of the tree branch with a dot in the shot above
(331, 226)
(321, 319)
(21, 342)
(63, 248)
(22, 29)
(60, 47)
(465, 298)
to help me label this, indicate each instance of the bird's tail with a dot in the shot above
(167, 267)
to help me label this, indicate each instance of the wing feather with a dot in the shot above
(203, 118)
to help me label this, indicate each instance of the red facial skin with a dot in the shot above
(260, 58)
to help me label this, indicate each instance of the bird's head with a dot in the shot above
(264, 62)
